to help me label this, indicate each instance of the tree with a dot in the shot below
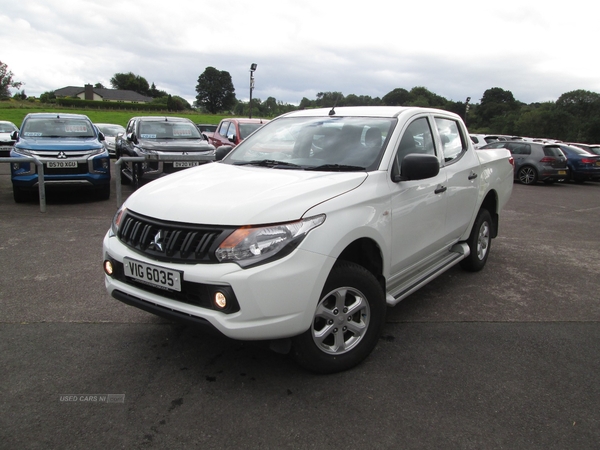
(397, 97)
(495, 103)
(99, 86)
(130, 82)
(215, 91)
(7, 81)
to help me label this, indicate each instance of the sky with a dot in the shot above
(538, 50)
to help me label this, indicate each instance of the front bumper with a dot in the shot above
(90, 172)
(276, 300)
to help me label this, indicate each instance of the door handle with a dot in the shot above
(472, 176)
(440, 189)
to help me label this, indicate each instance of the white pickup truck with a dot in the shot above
(308, 230)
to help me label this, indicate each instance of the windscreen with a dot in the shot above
(168, 130)
(57, 128)
(349, 143)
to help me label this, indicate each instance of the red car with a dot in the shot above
(233, 131)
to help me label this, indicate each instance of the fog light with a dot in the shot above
(108, 268)
(220, 300)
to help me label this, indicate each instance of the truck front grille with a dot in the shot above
(171, 241)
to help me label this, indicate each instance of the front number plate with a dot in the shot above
(61, 164)
(185, 163)
(160, 277)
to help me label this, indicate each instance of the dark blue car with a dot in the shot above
(582, 164)
(71, 149)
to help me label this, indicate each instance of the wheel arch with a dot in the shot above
(366, 253)
(490, 202)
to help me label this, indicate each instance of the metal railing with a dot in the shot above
(40, 173)
(153, 157)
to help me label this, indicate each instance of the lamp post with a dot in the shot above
(252, 69)
(467, 108)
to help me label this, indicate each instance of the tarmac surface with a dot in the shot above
(507, 358)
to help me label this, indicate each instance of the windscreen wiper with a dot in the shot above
(267, 163)
(336, 168)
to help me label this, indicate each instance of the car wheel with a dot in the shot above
(347, 321)
(20, 195)
(527, 175)
(136, 170)
(125, 181)
(479, 242)
(103, 193)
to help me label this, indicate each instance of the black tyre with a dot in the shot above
(479, 242)
(103, 193)
(20, 195)
(125, 180)
(527, 175)
(347, 321)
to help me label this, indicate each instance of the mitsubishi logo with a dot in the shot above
(157, 242)
(62, 155)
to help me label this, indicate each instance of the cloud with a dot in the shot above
(457, 49)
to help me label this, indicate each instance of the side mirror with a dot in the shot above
(231, 137)
(132, 138)
(101, 136)
(416, 166)
(222, 152)
(14, 135)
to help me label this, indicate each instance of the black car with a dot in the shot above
(535, 162)
(157, 138)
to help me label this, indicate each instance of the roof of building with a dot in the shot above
(106, 94)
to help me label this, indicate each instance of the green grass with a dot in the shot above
(15, 112)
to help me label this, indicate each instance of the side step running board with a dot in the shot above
(458, 252)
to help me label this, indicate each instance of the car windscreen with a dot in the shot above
(111, 130)
(247, 129)
(7, 128)
(168, 130)
(317, 143)
(57, 128)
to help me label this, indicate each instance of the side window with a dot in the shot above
(130, 126)
(519, 149)
(223, 129)
(453, 143)
(416, 139)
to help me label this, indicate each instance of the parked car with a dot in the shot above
(591, 148)
(583, 165)
(110, 132)
(71, 149)
(202, 127)
(232, 131)
(6, 140)
(310, 228)
(479, 140)
(534, 161)
(156, 135)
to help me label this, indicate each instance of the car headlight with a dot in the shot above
(22, 151)
(116, 222)
(249, 246)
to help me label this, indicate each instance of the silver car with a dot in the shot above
(110, 131)
(535, 162)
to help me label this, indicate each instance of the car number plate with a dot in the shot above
(157, 276)
(61, 164)
(562, 172)
(598, 163)
(185, 163)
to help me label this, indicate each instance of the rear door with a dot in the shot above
(462, 168)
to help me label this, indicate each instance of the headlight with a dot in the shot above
(116, 222)
(248, 246)
(22, 151)
(98, 151)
